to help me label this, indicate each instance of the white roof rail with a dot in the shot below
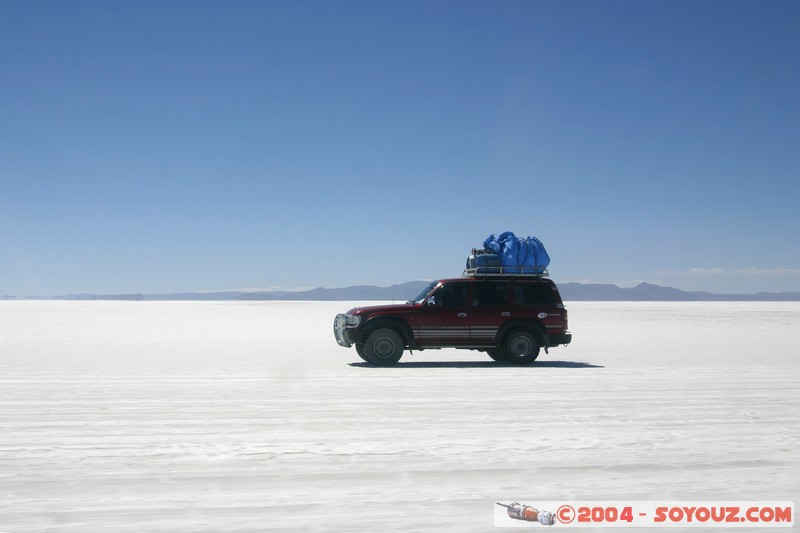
(504, 272)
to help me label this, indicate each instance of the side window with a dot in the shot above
(485, 294)
(452, 295)
(533, 294)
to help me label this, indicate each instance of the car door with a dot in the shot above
(490, 308)
(443, 319)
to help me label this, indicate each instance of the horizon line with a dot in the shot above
(300, 290)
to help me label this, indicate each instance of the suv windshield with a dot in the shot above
(423, 293)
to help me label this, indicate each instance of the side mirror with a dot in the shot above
(431, 300)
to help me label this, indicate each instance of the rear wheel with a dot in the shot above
(497, 355)
(383, 347)
(520, 348)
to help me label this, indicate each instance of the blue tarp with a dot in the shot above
(517, 254)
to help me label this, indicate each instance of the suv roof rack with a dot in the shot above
(506, 272)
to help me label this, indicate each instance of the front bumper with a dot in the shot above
(346, 331)
(339, 331)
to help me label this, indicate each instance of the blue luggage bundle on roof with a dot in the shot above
(515, 255)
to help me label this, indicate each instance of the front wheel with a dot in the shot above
(383, 347)
(360, 351)
(520, 348)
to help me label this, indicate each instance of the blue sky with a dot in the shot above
(176, 146)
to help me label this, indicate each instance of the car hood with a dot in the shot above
(369, 310)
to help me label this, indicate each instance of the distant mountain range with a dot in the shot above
(405, 291)
(648, 292)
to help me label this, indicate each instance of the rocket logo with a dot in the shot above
(529, 514)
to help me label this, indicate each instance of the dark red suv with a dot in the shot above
(510, 317)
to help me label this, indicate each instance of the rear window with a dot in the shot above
(533, 294)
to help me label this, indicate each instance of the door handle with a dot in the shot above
(505, 313)
(462, 315)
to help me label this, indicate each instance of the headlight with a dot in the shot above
(352, 321)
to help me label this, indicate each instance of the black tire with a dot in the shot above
(497, 355)
(383, 347)
(360, 351)
(520, 348)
